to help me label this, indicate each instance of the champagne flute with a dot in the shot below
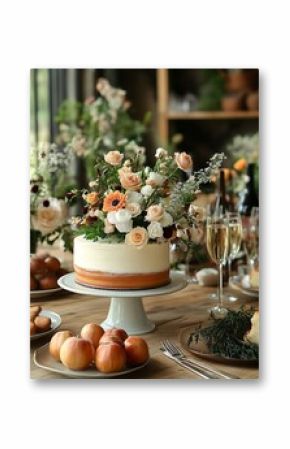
(251, 242)
(235, 240)
(217, 242)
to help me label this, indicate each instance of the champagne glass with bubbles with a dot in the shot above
(217, 242)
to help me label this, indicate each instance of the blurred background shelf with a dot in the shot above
(170, 120)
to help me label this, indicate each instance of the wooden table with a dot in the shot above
(171, 313)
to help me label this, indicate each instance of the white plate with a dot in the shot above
(41, 293)
(242, 284)
(43, 359)
(55, 324)
(177, 282)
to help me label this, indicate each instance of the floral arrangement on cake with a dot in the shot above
(99, 124)
(129, 202)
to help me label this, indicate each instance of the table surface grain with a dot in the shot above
(171, 313)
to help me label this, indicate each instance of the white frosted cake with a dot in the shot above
(119, 265)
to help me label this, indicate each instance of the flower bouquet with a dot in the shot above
(141, 205)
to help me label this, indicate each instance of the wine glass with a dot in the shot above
(217, 242)
(235, 240)
(251, 242)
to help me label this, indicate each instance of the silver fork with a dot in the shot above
(175, 352)
(185, 363)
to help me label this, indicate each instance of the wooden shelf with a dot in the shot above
(212, 115)
(164, 116)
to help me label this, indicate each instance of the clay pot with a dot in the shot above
(237, 81)
(231, 103)
(252, 101)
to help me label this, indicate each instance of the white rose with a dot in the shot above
(154, 213)
(134, 209)
(155, 230)
(50, 215)
(160, 152)
(122, 219)
(147, 190)
(155, 179)
(111, 217)
(133, 197)
(167, 220)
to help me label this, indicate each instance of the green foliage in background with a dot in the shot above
(211, 91)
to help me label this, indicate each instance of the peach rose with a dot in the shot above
(130, 181)
(50, 216)
(154, 213)
(184, 161)
(92, 198)
(114, 158)
(137, 237)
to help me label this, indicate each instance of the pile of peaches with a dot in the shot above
(108, 351)
(44, 272)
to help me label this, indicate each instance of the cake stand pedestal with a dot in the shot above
(126, 309)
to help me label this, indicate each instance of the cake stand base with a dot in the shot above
(126, 309)
(128, 314)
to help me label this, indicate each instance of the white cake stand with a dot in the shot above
(126, 309)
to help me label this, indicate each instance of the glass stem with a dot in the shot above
(230, 267)
(220, 293)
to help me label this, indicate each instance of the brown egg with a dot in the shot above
(53, 264)
(33, 283)
(43, 323)
(48, 281)
(33, 328)
(37, 266)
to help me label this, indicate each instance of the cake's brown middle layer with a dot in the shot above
(99, 279)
